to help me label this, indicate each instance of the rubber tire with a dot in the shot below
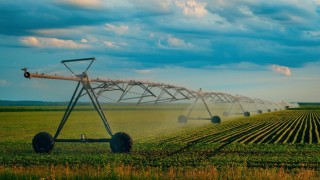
(259, 111)
(42, 142)
(216, 120)
(182, 119)
(226, 114)
(121, 143)
(246, 114)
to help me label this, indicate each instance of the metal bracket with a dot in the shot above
(64, 62)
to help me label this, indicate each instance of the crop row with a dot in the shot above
(283, 127)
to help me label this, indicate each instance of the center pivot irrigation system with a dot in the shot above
(141, 92)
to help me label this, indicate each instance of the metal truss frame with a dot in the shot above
(143, 92)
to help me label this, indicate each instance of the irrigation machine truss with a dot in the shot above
(142, 92)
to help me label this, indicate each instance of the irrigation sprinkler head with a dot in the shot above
(83, 137)
(26, 74)
(24, 69)
(200, 92)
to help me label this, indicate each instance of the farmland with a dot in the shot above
(283, 143)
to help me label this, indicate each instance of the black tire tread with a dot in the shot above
(216, 120)
(42, 142)
(121, 142)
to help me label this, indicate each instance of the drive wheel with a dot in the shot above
(246, 114)
(216, 120)
(42, 142)
(121, 143)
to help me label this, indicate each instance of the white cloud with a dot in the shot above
(245, 10)
(173, 42)
(193, 8)
(144, 71)
(108, 43)
(31, 41)
(243, 65)
(121, 29)
(51, 43)
(56, 31)
(83, 40)
(112, 44)
(281, 69)
(83, 3)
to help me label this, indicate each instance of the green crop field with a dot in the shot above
(283, 144)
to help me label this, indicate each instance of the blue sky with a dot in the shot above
(266, 49)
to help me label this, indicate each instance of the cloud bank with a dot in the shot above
(212, 38)
(198, 32)
(51, 43)
(281, 69)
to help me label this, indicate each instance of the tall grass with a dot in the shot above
(130, 172)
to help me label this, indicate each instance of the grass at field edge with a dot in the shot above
(130, 172)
